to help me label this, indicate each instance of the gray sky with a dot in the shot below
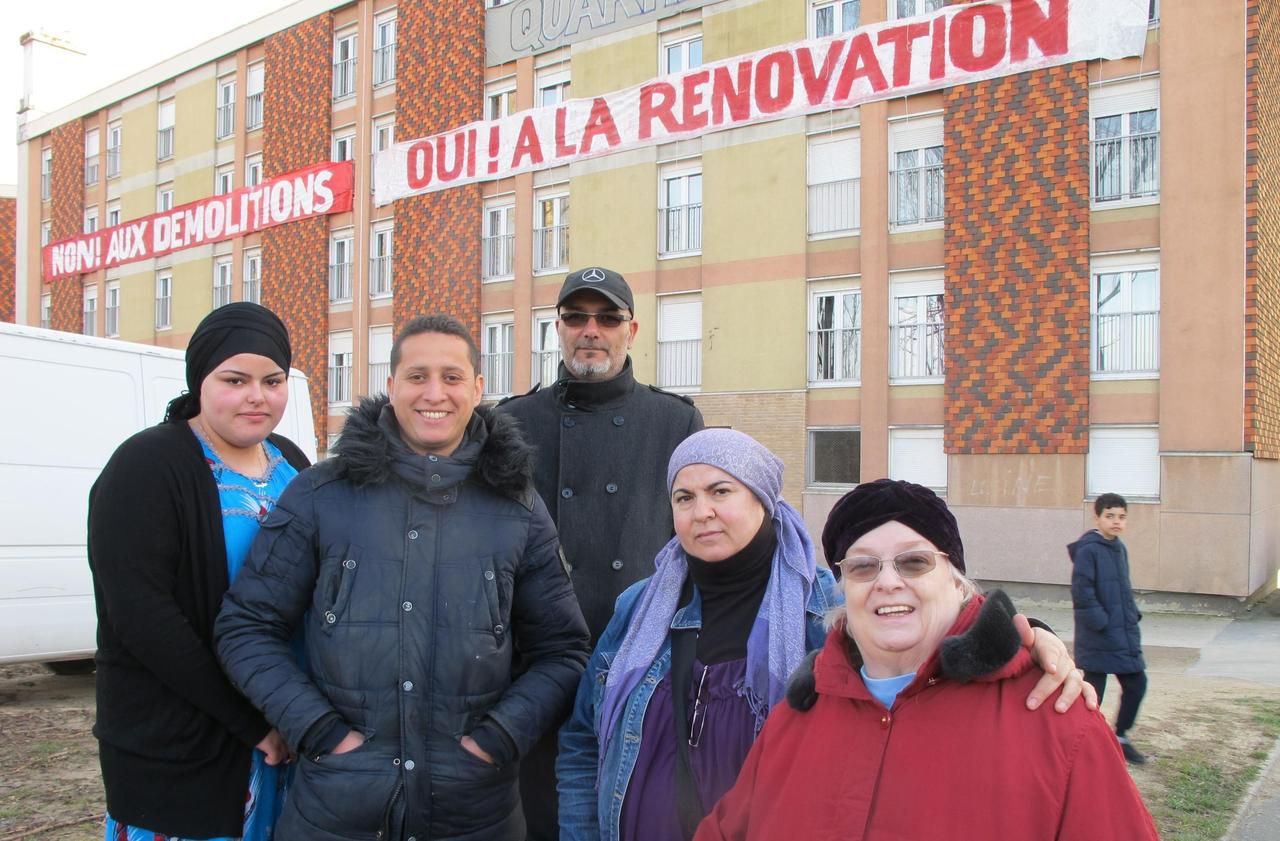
(121, 37)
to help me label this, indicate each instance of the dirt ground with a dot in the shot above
(50, 788)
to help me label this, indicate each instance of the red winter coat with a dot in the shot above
(950, 760)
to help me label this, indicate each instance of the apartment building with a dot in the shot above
(1022, 292)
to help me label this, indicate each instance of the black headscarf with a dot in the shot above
(241, 327)
(872, 504)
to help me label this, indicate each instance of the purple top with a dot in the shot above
(649, 811)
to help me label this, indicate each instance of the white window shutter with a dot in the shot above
(1124, 460)
(680, 320)
(916, 455)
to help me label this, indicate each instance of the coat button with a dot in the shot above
(349, 564)
(488, 575)
(433, 458)
(617, 563)
(435, 477)
(407, 686)
(611, 488)
(396, 762)
(413, 534)
(498, 629)
(330, 618)
(408, 765)
(570, 423)
(406, 606)
(619, 420)
(566, 493)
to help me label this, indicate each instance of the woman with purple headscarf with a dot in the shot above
(695, 656)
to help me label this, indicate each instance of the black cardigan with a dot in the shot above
(175, 737)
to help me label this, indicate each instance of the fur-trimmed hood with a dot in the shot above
(493, 452)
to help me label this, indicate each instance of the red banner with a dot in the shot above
(315, 191)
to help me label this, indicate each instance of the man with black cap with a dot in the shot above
(602, 442)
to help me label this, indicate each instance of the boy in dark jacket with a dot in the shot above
(1107, 637)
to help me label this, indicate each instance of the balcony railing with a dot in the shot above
(339, 282)
(226, 121)
(339, 383)
(550, 248)
(916, 195)
(546, 366)
(378, 373)
(384, 64)
(344, 78)
(46, 185)
(113, 161)
(253, 111)
(90, 325)
(163, 313)
(1126, 342)
(252, 290)
(680, 229)
(91, 170)
(497, 373)
(835, 355)
(221, 295)
(164, 144)
(498, 251)
(1126, 167)
(833, 207)
(917, 351)
(680, 364)
(113, 321)
(380, 276)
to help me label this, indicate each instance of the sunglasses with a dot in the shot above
(608, 320)
(913, 564)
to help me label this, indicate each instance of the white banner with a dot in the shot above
(953, 46)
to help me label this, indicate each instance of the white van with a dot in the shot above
(72, 400)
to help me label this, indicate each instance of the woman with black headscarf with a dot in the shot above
(170, 522)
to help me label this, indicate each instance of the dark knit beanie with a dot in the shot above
(872, 504)
(240, 327)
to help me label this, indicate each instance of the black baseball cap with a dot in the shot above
(607, 282)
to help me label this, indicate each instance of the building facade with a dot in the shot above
(1022, 292)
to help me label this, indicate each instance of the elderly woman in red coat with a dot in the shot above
(899, 729)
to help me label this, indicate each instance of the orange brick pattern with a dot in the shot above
(8, 258)
(439, 85)
(67, 218)
(296, 115)
(1262, 234)
(1017, 264)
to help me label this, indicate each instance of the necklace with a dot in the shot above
(261, 480)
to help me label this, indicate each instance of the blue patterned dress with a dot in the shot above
(246, 500)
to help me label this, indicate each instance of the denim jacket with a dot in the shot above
(588, 814)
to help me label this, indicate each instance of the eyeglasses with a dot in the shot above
(698, 722)
(913, 564)
(608, 320)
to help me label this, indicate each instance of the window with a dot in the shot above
(834, 185)
(252, 284)
(1124, 128)
(384, 50)
(835, 336)
(1123, 460)
(225, 120)
(496, 355)
(340, 267)
(916, 455)
(553, 88)
(830, 18)
(1153, 11)
(253, 97)
(113, 214)
(916, 175)
(46, 173)
(90, 325)
(253, 170)
(680, 342)
(380, 264)
(164, 198)
(340, 367)
(114, 135)
(164, 131)
(546, 348)
(499, 103)
(498, 238)
(91, 157)
(916, 331)
(680, 213)
(380, 341)
(164, 300)
(46, 233)
(46, 311)
(221, 282)
(682, 55)
(344, 147)
(384, 133)
(835, 456)
(911, 8)
(551, 234)
(90, 220)
(113, 308)
(344, 65)
(224, 180)
(1124, 303)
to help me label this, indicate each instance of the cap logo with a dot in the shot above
(593, 275)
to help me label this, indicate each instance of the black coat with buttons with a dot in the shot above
(414, 579)
(601, 453)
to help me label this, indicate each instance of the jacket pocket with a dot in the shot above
(348, 795)
(337, 576)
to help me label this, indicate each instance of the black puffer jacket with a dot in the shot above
(1107, 636)
(413, 576)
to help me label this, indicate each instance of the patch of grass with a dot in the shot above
(44, 749)
(1200, 798)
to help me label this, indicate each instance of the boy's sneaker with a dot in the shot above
(1131, 754)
